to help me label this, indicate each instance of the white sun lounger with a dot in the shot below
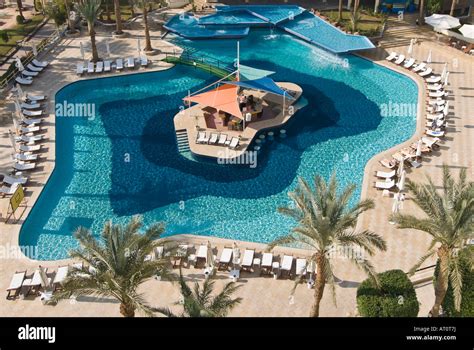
(29, 113)
(430, 142)
(434, 87)
(31, 121)
(23, 81)
(392, 56)
(29, 139)
(11, 180)
(99, 67)
(426, 72)
(234, 143)
(90, 67)
(385, 185)
(438, 93)
(8, 191)
(143, 61)
(434, 133)
(130, 62)
(437, 102)
(400, 59)
(201, 136)
(35, 98)
(28, 129)
(34, 68)
(300, 267)
(42, 64)
(226, 258)
(431, 116)
(119, 65)
(16, 283)
(222, 139)
(60, 276)
(267, 262)
(24, 166)
(80, 68)
(27, 73)
(25, 157)
(30, 105)
(439, 123)
(287, 264)
(409, 63)
(201, 254)
(386, 174)
(419, 67)
(433, 79)
(32, 148)
(247, 260)
(213, 138)
(107, 66)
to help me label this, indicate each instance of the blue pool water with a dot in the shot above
(125, 161)
(235, 22)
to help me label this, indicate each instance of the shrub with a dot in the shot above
(395, 298)
(20, 19)
(4, 36)
(467, 292)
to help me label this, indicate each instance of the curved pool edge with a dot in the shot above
(15, 228)
(372, 162)
(367, 176)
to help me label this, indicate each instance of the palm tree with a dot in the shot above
(90, 10)
(421, 15)
(118, 265)
(449, 220)
(198, 302)
(339, 19)
(325, 222)
(19, 4)
(453, 7)
(118, 17)
(144, 6)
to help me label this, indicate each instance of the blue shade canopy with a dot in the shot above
(262, 84)
(250, 73)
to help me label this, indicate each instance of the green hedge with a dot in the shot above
(467, 294)
(396, 298)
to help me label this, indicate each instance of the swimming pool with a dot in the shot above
(125, 161)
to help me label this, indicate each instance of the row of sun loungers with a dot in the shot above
(32, 70)
(217, 139)
(437, 111)
(40, 280)
(108, 65)
(28, 136)
(231, 259)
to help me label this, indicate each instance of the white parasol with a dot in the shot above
(107, 47)
(210, 255)
(83, 53)
(396, 203)
(441, 22)
(19, 91)
(401, 182)
(445, 70)
(410, 48)
(467, 31)
(400, 168)
(418, 148)
(44, 278)
(446, 79)
(428, 59)
(34, 49)
(139, 49)
(235, 253)
(19, 65)
(12, 140)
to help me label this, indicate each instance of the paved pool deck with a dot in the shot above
(262, 296)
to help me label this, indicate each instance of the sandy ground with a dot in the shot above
(264, 296)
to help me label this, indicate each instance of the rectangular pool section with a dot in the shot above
(231, 22)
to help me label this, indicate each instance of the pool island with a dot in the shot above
(226, 120)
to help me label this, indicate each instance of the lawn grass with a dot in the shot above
(19, 32)
(369, 24)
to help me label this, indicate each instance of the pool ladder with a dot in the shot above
(182, 140)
